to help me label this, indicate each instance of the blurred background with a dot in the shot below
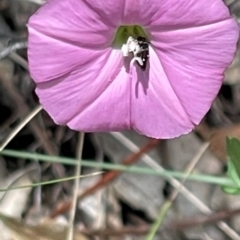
(125, 206)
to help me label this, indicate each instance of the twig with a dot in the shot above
(6, 51)
(76, 187)
(200, 220)
(18, 59)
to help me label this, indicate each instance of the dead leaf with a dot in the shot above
(46, 231)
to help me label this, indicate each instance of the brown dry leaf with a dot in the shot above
(218, 140)
(45, 231)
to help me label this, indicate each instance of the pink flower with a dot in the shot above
(76, 56)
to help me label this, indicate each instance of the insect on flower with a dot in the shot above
(155, 67)
(144, 53)
(140, 50)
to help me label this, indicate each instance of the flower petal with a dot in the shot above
(95, 98)
(155, 109)
(73, 22)
(110, 111)
(50, 58)
(81, 81)
(161, 14)
(194, 61)
(176, 14)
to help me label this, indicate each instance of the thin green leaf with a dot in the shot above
(232, 173)
(233, 150)
(231, 190)
(222, 181)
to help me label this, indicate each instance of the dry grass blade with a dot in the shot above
(20, 126)
(76, 186)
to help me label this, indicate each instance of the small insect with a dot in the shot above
(144, 52)
(139, 48)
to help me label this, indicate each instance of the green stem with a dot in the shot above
(222, 181)
(167, 205)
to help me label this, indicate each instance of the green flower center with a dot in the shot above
(124, 32)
